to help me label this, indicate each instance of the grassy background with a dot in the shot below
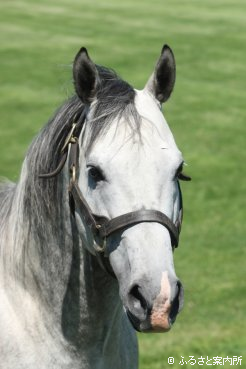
(38, 40)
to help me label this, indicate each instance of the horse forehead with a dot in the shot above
(153, 139)
(121, 148)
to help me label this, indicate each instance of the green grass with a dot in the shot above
(38, 40)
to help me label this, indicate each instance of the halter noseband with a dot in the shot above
(101, 226)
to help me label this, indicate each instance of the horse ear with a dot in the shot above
(162, 81)
(85, 76)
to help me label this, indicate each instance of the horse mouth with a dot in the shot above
(159, 318)
(134, 321)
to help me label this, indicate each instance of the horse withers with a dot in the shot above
(88, 232)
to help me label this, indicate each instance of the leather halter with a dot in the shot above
(101, 226)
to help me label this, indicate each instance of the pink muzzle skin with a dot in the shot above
(162, 315)
(159, 319)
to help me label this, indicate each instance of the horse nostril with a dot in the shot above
(177, 302)
(138, 301)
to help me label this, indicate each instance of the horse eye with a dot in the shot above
(96, 174)
(179, 170)
(180, 175)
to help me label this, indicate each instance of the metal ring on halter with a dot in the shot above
(102, 248)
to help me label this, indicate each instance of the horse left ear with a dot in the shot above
(85, 76)
(162, 81)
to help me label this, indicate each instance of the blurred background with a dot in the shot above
(38, 41)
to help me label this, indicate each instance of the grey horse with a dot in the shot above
(87, 234)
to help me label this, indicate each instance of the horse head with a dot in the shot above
(129, 167)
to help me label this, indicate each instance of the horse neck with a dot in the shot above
(53, 269)
(37, 247)
(92, 311)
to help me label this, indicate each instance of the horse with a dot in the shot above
(87, 234)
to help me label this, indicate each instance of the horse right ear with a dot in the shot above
(162, 81)
(85, 76)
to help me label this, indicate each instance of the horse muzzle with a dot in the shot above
(158, 316)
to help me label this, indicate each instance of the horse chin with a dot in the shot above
(149, 325)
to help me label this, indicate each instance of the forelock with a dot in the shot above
(115, 100)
